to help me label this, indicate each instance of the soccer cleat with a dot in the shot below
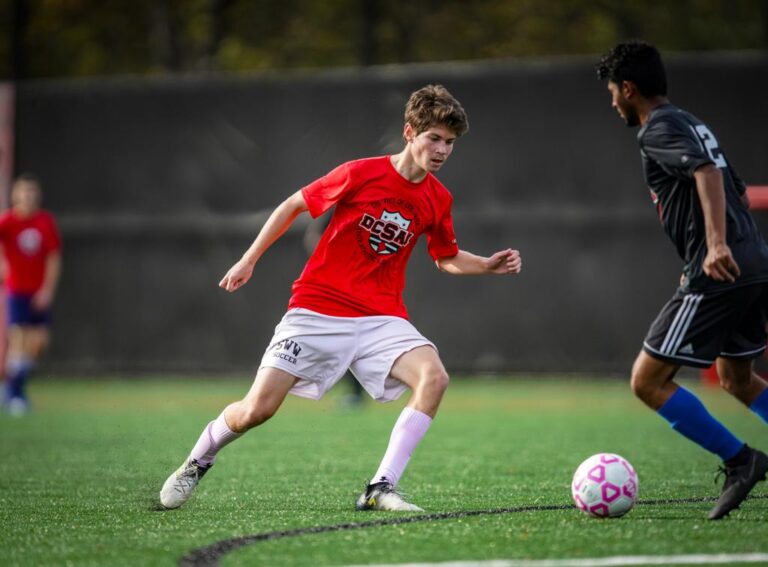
(383, 496)
(17, 407)
(738, 483)
(179, 486)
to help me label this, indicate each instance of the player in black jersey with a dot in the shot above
(718, 314)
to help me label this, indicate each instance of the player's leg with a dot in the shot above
(305, 344)
(27, 339)
(267, 393)
(652, 382)
(23, 352)
(738, 378)
(747, 342)
(743, 466)
(749, 466)
(36, 341)
(18, 367)
(269, 389)
(423, 372)
(694, 329)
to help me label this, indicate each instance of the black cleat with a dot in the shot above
(739, 481)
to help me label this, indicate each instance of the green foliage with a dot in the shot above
(96, 37)
(79, 477)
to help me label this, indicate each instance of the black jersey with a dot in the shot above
(673, 144)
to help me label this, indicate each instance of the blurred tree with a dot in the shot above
(18, 16)
(164, 37)
(56, 38)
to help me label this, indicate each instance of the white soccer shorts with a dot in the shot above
(318, 349)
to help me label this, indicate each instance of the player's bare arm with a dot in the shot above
(44, 296)
(277, 223)
(465, 263)
(719, 263)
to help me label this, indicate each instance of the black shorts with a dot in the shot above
(693, 329)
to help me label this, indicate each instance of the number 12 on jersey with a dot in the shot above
(709, 143)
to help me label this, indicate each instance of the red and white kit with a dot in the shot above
(27, 242)
(358, 271)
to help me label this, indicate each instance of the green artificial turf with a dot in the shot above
(79, 477)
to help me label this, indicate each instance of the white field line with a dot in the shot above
(699, 559)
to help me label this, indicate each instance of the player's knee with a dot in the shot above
(642, 383)
(727, 382)
(254, 414)
(641, 388)
(436, 380)
(732, 381)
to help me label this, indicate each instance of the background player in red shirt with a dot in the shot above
(347, 310)
(32, 251)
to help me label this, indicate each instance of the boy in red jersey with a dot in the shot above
(347, 310)
(32, 251)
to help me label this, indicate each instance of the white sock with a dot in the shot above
(214, 437)
(408, 431)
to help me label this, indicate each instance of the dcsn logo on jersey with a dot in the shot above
(388, 233)
(287, 350)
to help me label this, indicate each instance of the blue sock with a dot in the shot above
(16, 379)
(760, 405)
(690, 418)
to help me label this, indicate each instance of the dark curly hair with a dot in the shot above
(638, 62)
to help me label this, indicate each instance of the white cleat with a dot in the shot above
(382, 496)
(179, 486)
(17, 407)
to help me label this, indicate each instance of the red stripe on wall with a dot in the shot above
(758, 196)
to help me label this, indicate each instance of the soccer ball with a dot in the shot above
(605, 486)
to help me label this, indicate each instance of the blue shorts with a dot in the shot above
(22, 312)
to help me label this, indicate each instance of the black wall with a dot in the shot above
(160, 185)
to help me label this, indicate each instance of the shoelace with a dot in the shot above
(719, 473)
(188, 478)
(723, 471)
(386, 489)
(392, 490)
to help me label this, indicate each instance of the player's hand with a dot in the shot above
(720, 265)
(42, 300)
(505, 262)
(237, 276)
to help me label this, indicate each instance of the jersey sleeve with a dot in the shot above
(441, 238)
(675, 146)
(323, 193)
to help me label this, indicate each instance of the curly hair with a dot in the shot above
(638, 62)
(434, 105)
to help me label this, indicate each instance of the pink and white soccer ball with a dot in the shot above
(605, 486)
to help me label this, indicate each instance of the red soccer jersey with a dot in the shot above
(27, 242)
(358, 267)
